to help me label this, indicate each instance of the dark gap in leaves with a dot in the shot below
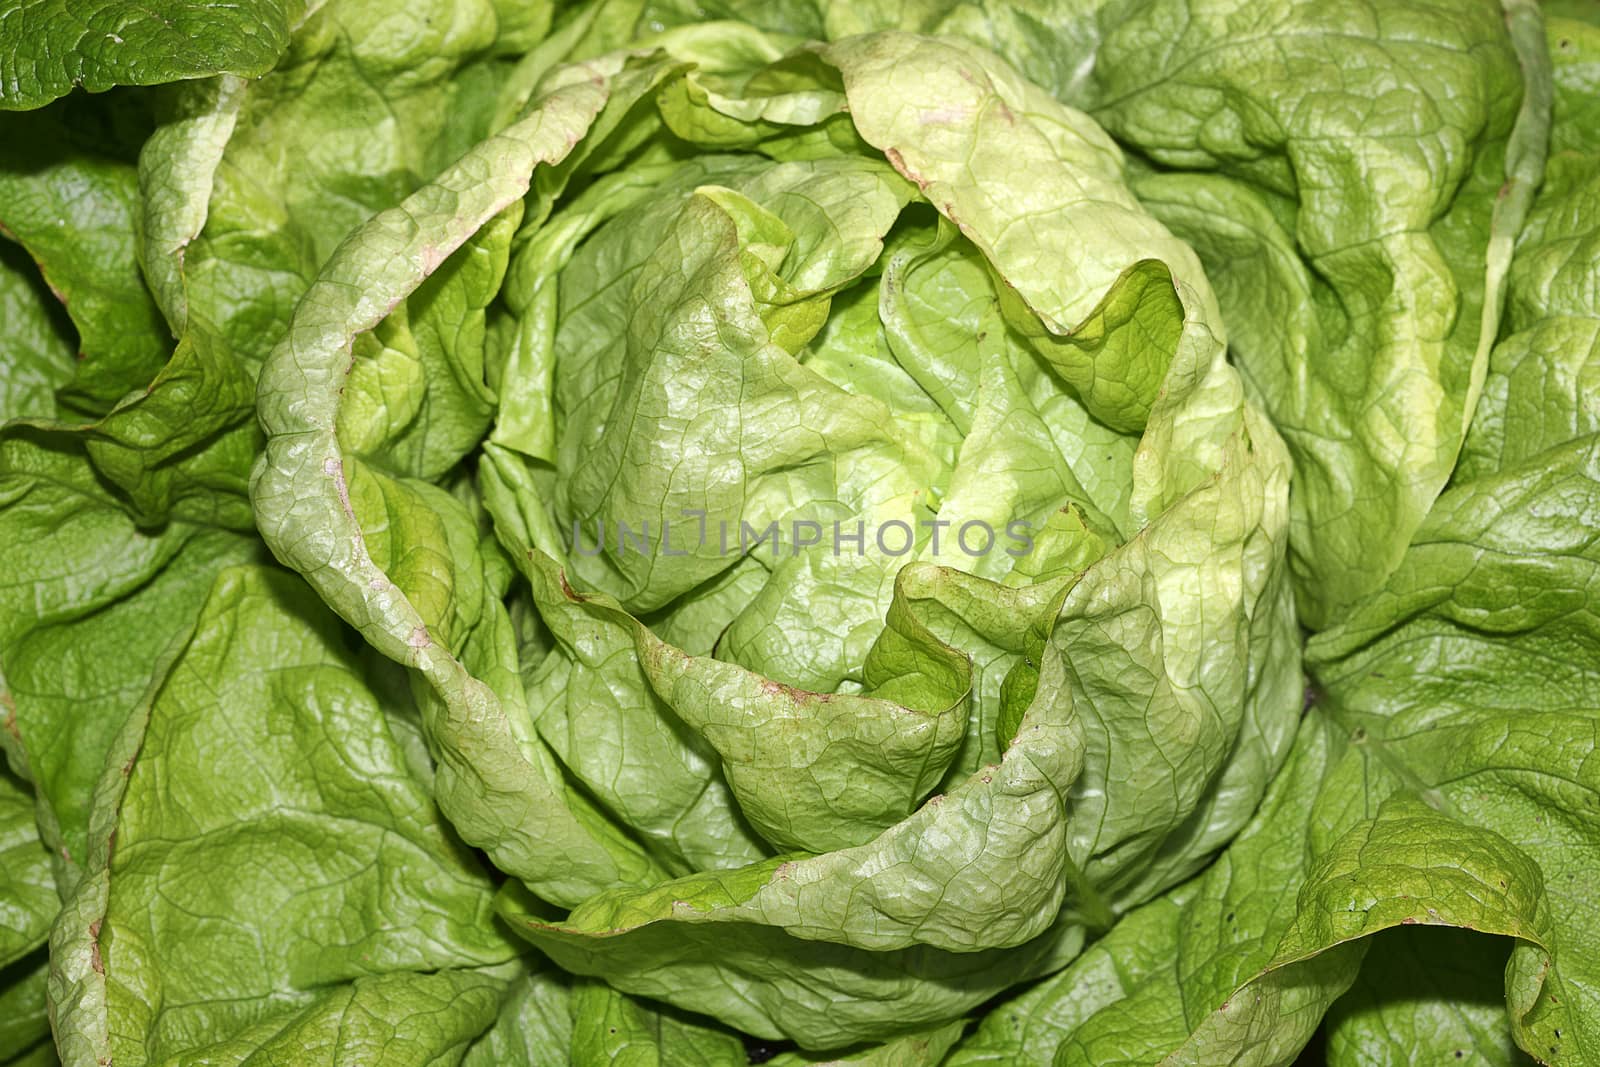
(759, 1051)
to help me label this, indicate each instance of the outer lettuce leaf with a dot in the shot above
(1540, 387)
(25, 1029)
(1570, 30)
(1425, 992)
(47, 48)
(1030, 1027)
(1223, 937)
(230, 225)
(926, 1049)
(64, 164)
(171, 437)
(89, 600)
(1450, 665)
(27, 890)
(37, 349)
(1227, 972)
(177, 448)
(344, 880)
(1440, 780)
(1379, 207)
(608, 1027)
(534, 1026)
(547, 1017)
(767, 982)
(486, 785)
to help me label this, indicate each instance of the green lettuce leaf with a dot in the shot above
(926, 1049)
(66, 163)
(1539, 389)
(25, 1029)
(28, 899)
(1449, 669)
(487, 786)
(89, 601)
(1364, 196)
(305, 798)
(534, 1025)
(38, 346)
(47, 48)
(1426, 992)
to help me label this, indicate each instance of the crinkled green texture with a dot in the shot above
(177, 171)
(534, 1025)
(179, 449)
(261, 752)
(48, 47)
(1362, 177)
(224, 224)
(697, 349)
(89, 601)
(231, 223)
(578, 360)
(1425, 992)
(1442, 779)
(27, 889)
(37, 350)
(65, 163)
(809, 771)
(1475, 669)
(1540, 388)
(1224, 971)
(498, 799)
(25, 1029)
(370, 102)
(1030, 1027)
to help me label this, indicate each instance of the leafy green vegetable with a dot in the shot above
(836, 768)
(47, 47)
(647, 532)
(355, 884)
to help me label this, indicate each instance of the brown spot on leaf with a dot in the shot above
(566, 588)
(94, 948)
(898, 162)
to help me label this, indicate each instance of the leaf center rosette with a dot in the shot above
(872, 581)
